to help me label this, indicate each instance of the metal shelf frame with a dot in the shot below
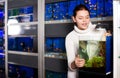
(13, 57)
(6, 37)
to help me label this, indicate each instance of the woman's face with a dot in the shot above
(82, 19)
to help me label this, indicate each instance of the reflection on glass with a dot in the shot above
(13, 30)
(24, 14)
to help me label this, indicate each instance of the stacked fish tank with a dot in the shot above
(55, 47)
(63, 11)
(98, 8)
(2, 54)
(22, 42)
(17, 71)
(52, 74)
(24, 39)
(23, 14)
(2, 47)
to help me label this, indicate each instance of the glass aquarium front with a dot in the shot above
(25, 11)
(22, 38)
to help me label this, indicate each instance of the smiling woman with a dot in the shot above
(82, 27)
(81, 17)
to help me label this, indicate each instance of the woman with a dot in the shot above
(82, 27)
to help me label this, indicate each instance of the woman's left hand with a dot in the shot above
(106, 34)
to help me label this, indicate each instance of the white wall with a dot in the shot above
(116, 31)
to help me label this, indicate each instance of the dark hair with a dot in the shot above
(80, 7)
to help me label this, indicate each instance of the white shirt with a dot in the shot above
(72, 44)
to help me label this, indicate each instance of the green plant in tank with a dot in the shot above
(96, 61)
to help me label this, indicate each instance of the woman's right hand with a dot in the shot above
(79, 62)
